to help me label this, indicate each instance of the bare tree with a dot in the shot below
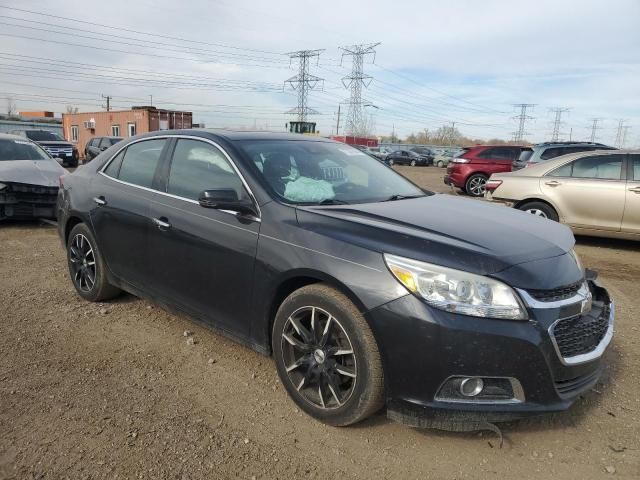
(72, 109)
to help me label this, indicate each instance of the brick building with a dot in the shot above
(79, 128)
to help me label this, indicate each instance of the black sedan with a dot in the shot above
(367, 291)
(408, 157)
(96, 145)
(28, 179)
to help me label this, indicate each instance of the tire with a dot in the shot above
(475, 185)
(440, 164)
(540, 209)
(85, 262)
(390, 162)
(413, 163)
(338, 381)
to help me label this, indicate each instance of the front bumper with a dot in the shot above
(423, 348)
(23, 201)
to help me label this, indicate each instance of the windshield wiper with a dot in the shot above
(397, 196)
(332, 201)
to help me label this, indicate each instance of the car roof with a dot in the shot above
(235, 135)
(10, 136)
(541, 168)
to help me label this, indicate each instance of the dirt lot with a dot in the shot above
(115, 391)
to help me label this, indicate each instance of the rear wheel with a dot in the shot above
(540, 209)
(413, 163)
(326, 356)
(440, 163)
(87, 267)
(475, 185)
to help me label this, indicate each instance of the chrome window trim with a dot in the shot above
(592, 355)
(582, 294)
(257, 218)
(516, 387)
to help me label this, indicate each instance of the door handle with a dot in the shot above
(100, 200)
(553, 183)
(162, 223)
(635, 189)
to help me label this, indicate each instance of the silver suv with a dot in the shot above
(548, 150)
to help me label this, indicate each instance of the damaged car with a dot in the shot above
(28, 179)
(368, 291)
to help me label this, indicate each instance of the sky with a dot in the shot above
(462, 61)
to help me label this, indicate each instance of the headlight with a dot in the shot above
(457, 291)
(577, 259)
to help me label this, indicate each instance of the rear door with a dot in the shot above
(589, 192)
(203, 258)
(120, 217)
(631, 217)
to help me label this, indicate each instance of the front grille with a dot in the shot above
(61, 151)
(581, 334)
(556, 294)
(567, 387)
(20, 193)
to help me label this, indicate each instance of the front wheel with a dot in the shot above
(327, 357)
(475, 185)
(87, 267)
(413, 163)
(440, 163)
(390, 162)
(540, 209)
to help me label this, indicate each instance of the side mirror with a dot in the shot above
(226, 199)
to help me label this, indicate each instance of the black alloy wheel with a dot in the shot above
(87, 267)
(327, 357)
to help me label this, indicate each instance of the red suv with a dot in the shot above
(470, 170)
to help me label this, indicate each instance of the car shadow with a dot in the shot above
(613, 243)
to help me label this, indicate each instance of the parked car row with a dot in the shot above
(471, 169)
(65, 152)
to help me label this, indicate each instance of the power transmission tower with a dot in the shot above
(108, 98)
(557, 122)
(594, 128)
(355, 124)
(303, 82)
(620, 133)
(518, 135)
(625, 131)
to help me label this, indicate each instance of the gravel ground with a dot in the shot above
(116, 390)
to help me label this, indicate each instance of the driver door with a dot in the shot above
(203, 258)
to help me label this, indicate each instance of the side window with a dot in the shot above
(635, 167)
(488, 153)
(553, 153)
(197, 166)
(563, 171)
(114, 167)
(141, 161)
(105, 143)
(606, 167)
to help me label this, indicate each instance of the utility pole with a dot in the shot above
(594, 128)
(557, 122)
(338, 122)
(453, 129)
(303, 82)
(151, 100)
(108, 98)
(354, 82)
(518, 135)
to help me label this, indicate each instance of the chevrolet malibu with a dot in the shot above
(368, 291)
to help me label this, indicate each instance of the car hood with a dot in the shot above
(47, 143)
(33, 172)
(459, 233)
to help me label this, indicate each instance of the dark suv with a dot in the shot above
(409, 157)
(470, 170)
(548, 150)
(56, 146)
(98, 144)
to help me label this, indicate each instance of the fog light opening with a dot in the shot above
(471, 387)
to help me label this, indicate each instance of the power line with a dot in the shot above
(519, 134)
(557, 122)
(355, 81)
(303, 82)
